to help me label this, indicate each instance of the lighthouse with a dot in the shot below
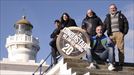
(22, 49)
(22, 46)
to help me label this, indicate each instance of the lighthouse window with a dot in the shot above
(21, 29)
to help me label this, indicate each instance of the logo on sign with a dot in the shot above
(72, 42)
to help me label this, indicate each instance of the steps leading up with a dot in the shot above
(79, 66)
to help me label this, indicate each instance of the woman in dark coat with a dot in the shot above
(67, 21)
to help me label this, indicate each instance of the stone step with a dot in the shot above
(79, 66)
(101, 72)
(70, 60)
(106, 72)
(74, 60)
(84, 65)
(80, 73)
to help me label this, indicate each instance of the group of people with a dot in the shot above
(102, 46)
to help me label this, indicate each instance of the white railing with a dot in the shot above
(22, 38)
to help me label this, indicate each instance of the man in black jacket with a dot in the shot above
(117, 27)
(90, 22)
(56, 32)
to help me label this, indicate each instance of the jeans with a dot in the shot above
(107, 54)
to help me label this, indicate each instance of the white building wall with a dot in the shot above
(9, 72)
(20, 68)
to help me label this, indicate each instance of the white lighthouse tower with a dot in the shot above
(22, 49)
(22, 46)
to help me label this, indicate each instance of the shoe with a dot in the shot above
(92, 66)
(121, 64)
(111, 67)
(58, 56)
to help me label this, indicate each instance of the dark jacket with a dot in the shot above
(123, 24)
(54, 37)
(105, 41)
(68, 23)
(90, 24)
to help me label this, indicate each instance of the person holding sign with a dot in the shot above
(55, 52)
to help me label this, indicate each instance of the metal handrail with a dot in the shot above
(40, 66)
(50, 66)
(47, 69)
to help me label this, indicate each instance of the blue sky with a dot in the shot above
(42, 13)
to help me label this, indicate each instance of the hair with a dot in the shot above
(66, 15)
(113, 5)
(57, 21)
(94, 14)
(89, 10)
(99, 26)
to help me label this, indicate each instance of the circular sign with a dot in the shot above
(72, 42)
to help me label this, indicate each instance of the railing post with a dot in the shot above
(40, 69)
(51, 59)
(40, 66)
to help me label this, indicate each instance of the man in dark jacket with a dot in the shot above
(117, 27)
(90, 22)
(55, 52)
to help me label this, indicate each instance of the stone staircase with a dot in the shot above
(78, 66)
